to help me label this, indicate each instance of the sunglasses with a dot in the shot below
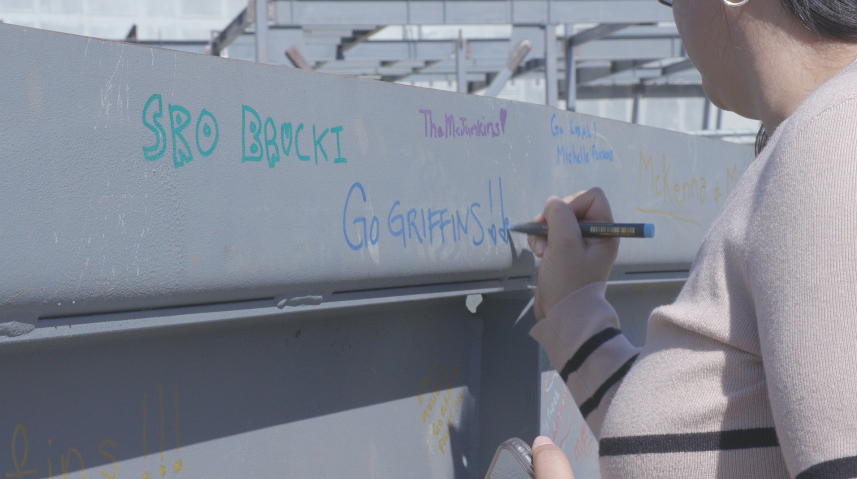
(668, 3)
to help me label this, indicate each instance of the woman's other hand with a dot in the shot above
(569, 261)
(549, 461)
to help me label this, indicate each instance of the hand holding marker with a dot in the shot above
(594, 230)
(573, 264)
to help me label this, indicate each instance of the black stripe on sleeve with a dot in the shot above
(842, 468)
(691, 442)
(586, 349)
(590, 404)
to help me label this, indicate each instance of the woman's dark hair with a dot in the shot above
(761, 139)
(834, 19)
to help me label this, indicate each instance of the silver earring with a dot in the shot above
(735, 4)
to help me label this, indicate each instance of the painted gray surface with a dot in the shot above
(227, 289)
(509, 405)
(330, 393)
(88, 225)
(333, 395)
(342, 393)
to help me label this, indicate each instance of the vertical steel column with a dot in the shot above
(706, 112)
(261, 30)
(635, 108)
(460, 65)
(551, 84)
(570, 72)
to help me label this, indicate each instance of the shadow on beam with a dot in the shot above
(597, 92)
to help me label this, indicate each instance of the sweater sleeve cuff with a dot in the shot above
(576, 318)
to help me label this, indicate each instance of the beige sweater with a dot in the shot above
(752, 371)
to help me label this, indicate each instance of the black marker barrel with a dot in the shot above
(595, 230)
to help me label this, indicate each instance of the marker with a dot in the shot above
(595, 230)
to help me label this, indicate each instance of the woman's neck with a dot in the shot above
(790, 64)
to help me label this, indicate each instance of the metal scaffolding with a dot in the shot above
(605, 49)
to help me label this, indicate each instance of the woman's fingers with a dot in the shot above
(564, 228)
(549, 461)
(538, 243)
(591, 205)
(587, 205)
(569, 261)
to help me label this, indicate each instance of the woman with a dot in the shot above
(752, 371)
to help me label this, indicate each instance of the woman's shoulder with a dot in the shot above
(829, 112)
(807, 184)
(817, 149)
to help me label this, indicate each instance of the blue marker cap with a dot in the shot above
(648, 230)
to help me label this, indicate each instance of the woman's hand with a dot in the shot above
(569, 261)
(549, 461)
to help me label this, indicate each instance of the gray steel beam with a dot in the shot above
(279, 40)
(261, 35)
(587, 75)
(611, 11)
(618, 71)
(535, 60)
(334, 30)
(298, 60)
(624, 72)
(534, 65)
(448, 66)
(190, 46)
(570, 77)
(461, 64)
(595, 33)
(424, 76)
(71, 76)
(635, 108)
(515, 58)
(236, 27)
(647, 30)
(604, 49)
(597, 92)
(394, 50)
(677, 68)
(625, 48)
(356, 37)
(466, 12)
(551, 82)
(402, 70)
(649, 76)
(342, 66)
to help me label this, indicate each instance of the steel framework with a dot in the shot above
(605, 48)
